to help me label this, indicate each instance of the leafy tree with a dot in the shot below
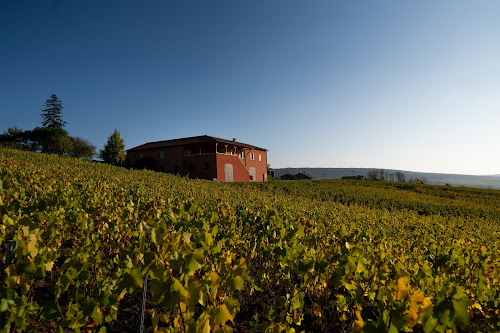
(14, 137)
(400, 177)
(372, 174)
(51, 140)
(376, 174)
(63, 145)
(83, 148)
(416, 181)
(24, 140)
(114, 150)
(52, 113)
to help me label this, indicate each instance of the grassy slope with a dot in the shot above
(407, 227)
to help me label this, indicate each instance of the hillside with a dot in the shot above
(325, 256)
(487, 181)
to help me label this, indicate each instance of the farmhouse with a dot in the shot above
(300, 175)
(205, 157)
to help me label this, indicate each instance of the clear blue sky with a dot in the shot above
(412, 85)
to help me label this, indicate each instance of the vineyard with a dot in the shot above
(313, 256)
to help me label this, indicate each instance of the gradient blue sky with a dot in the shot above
(411, 85)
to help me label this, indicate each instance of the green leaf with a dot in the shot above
(393, 328)
(343, 231)
(157, 289)
(360, 266)
(232, 304)
(137, 277)
(177, 287)
(300, 231)
(214, 277)
(397, 321)
(194, 260)
(349, 286)
(97, 315)
(298, 300)
(186, 236)
(460, 304)
(191, 263)
(208, 239)
(238, 283)
(356, 252)
(426, 270)
(153, 236)
(195, 293)
(130, 281)
(50, 311)
(6, 304)
(222, 314)
(214, 218)
(203, 323)
(155, 318)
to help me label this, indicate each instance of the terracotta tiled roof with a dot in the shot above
(191, 140)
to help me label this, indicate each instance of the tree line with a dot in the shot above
(52, 138)
(398, 176)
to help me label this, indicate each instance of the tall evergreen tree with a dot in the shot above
(114, 150)
(52, 113)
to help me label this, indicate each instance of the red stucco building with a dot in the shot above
(205, 157)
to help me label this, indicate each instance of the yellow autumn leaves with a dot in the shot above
(418, 307)
(398, 291)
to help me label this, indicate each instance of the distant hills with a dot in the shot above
(490, 181)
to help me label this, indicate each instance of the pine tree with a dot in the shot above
(52, 113)
(114, 150)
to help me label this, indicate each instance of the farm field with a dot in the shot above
(314, 256)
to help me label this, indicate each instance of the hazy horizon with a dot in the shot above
(389, 169)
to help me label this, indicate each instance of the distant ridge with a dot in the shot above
(489, 181)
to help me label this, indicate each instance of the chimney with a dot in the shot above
(234, 139)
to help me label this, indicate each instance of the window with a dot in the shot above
(206, 166)
(141, 155)
(188, 152)
(162, 155)
(252, 156)
(260, 158)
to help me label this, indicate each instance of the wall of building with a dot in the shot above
(171, 163)
(240, 173)
(193, 159)
(260, 166)
(195, 166)
(242, 166)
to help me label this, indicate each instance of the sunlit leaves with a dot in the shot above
(313, 256)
